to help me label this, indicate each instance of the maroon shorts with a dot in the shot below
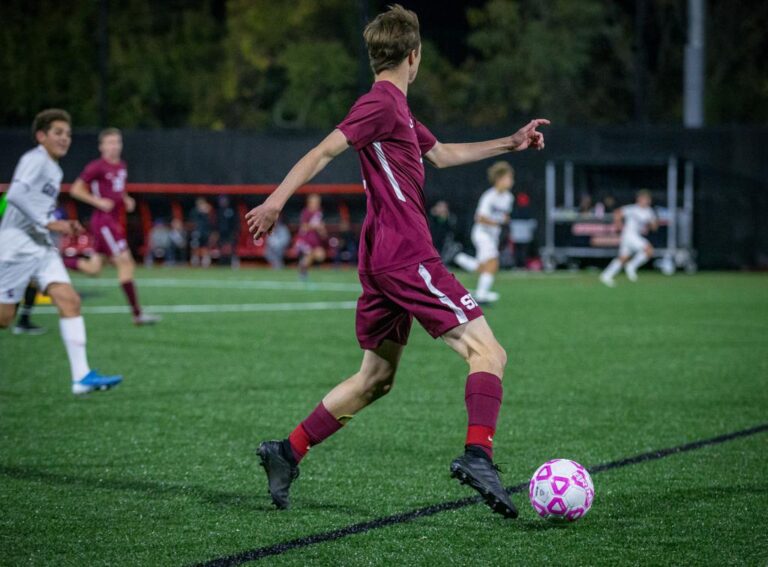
(427, 291)
(108, 237)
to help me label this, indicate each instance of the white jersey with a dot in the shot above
(32, 199)
(495, 206)
(636, 220)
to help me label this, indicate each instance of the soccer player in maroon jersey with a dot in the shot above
(311, 235)
(400, 270)
(102, 185)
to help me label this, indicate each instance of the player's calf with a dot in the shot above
(7, 314)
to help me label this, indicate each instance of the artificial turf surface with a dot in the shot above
(161, 471)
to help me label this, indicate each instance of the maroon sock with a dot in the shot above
(130, 292)
(71, 262)
(319, 425)
(483, 395)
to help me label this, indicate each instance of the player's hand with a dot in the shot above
(130, 204)
(261, 220)
(105, 205)
(528, 137)
(67, 227)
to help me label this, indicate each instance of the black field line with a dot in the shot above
(362, 527)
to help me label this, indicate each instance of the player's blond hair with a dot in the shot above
(643, 193)
(109, 132)
(390, 37)
(499, 170)
(45, 119)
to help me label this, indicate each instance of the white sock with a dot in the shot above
(613, 268)
(73, 335)
(484, 283)
(639, 259)
(466, 262)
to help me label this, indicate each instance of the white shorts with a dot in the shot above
(632, 243)
(486, 245)
(15, 275)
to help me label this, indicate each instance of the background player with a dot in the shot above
(24, 325)
(400, 270)
(312, 235)
(634, 221)
(492, 214)
(27, 251)
(102, 185)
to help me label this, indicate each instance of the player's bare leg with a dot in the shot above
(72, 327)
(375, 378)
(486, 358)
(638, 260)
(314, 256)
(126, 266)
(487, 271)
(613, 268)
(90, 266)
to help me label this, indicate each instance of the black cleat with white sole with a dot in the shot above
(281, 468)
(475, 469)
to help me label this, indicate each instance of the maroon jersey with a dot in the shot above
(390, 143)
(311, 236)
(106, 180)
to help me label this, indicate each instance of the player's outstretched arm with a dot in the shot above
(448, 155)
(80, 191)
(262, 219)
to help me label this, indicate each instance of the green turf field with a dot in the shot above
(161, 471)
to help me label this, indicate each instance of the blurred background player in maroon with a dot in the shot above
(102, 185)
(312, 234)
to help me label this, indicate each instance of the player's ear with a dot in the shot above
(40, 136)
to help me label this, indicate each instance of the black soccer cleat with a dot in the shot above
(281, 469)
(26, 327)
(475, 469)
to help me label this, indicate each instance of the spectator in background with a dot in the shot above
(345, 244)
(606, 205)
(276, 244)
(159, 242)
(227, 224)
(585, 204)
(522, 229)
(200, 218)
(312, 234)
(177, 251)
(442, 225)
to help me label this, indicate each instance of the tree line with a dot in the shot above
(297, 64)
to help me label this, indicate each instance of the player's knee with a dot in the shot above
(68, 302)
(378, 382)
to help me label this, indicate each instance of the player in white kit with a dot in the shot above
(492, 213)
(27, 251)
(635, 221)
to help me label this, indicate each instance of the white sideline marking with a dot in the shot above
(223, 284)
(224, 308)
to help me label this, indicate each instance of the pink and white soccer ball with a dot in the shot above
(561, 490)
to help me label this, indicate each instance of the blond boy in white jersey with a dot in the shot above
(492, 213)
(27, 251)
(634, 221)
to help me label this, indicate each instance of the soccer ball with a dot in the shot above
(561, 490)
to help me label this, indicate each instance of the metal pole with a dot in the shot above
(693, 79)
(103, 55)
(549, 235)
(569, 188)
(672, 206)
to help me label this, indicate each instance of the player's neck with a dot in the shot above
(50, 155)
(398, 77)
(111, 161)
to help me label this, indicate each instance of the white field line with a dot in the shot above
(223, 284)
(223, 308)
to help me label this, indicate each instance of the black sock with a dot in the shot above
(477, 451)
